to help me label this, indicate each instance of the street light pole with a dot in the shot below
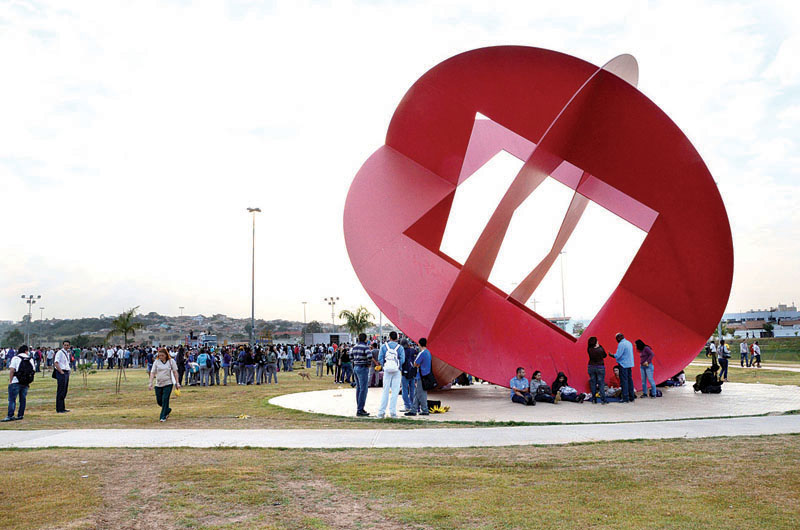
(254, 211)
(563, 300)
(30, 300)
(332, 302)
(41, 324)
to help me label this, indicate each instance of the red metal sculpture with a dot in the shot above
(587, 127)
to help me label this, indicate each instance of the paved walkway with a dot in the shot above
(492, 403)
(461, 437)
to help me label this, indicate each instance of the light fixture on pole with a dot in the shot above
(253, 211)
(332, 302)
(30, 300)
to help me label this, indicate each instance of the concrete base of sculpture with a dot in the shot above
(487, 403)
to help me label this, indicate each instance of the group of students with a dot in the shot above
(619, 387)
(720, 355)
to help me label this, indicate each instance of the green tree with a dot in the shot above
(124, 325)
(80, 341)
(13, 339)
(358, 321)
(313, 327)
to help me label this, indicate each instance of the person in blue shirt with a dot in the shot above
(520, 388)
(624, 357)
(422, 363)
(391, 358)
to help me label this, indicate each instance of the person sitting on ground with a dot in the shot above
(568, 393)
(520, 389)
(707, 382)
(614, 387)
(678, 379)
(540, 389)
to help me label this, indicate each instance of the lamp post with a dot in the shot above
(563, 300)
(332, 302)
(253, 211)
(30, 300)
(41, 324)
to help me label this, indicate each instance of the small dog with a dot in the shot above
(304, 374)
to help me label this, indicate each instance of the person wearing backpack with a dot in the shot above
(20, 377)
(391, 358)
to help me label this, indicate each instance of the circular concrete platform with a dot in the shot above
(490, 403)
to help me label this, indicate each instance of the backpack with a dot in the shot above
(391, 363)
(24, 373)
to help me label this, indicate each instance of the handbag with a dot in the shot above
(429, 382)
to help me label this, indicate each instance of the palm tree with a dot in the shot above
(358, 321)
(124, 325)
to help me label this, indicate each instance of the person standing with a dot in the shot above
(205, 367)
(318, 360)
(362, 360)
(624, 357)
(226, 366)
(409, 375)
(597, 370)
(743, 351)
(422, 363)
(646, 367)
(391, 358)
(723, 354)
(272, 365)
(756, 355)
(61, 365)
(164, 372)
(20, 376)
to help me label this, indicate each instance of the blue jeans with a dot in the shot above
(347, 372)
(723, 368)
(597, 381)
(626, 381)
(647, 377)
(362, 374)
(408, 392)
(14, 390)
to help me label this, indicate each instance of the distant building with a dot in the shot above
(326, 338)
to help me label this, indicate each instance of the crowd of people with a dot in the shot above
(401, 367)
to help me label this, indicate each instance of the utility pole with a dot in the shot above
(254, 211)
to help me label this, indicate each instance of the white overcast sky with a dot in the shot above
(133, 135)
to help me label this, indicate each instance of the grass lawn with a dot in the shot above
(98, 406)
(736, 374)
(709, 483)
(777, 349)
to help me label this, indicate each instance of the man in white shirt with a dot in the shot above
(61, 366)
(743, 351)
(17, 387)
